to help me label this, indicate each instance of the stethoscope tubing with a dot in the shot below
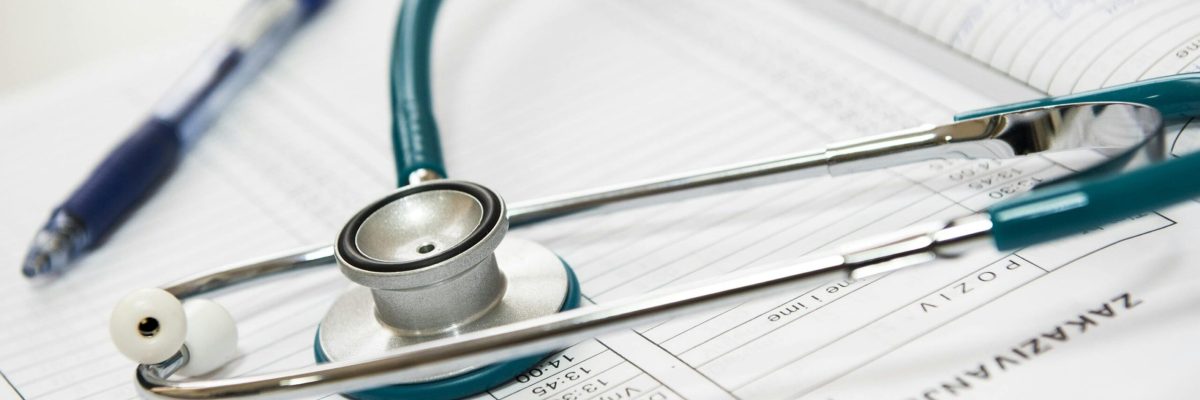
(540, 335)
(416, 142)
(903, 249)
(419, 158)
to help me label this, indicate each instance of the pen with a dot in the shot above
(144, 159)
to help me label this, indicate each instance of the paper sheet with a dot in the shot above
(541, 97)
(1063, 46)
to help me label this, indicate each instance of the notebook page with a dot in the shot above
(1060, 47)
(1063, 46)
(538, 98)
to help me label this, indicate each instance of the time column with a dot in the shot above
(587, 371)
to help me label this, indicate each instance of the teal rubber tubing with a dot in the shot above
(415, 140)
(1174, 96)
(1075, 206)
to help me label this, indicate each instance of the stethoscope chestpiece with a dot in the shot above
(427, 253)
(431, 261)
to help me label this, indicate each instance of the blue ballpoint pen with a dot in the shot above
(140, 163)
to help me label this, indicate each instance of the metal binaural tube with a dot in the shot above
(292, 260)
(1101, 126)
(564, 329)
(510, 341)
(1106, 127)
(676, 187)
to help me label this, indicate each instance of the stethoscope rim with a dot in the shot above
(351, 255)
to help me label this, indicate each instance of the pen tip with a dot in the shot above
(36, 264)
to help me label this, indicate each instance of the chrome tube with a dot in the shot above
(911, 247)
(1106, 127)
(676, 187)
(293, 260)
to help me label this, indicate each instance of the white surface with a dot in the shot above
(41, 40)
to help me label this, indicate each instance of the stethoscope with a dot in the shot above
(446, 306)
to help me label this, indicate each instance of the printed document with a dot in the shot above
(538, 98)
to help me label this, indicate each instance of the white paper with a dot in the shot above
(541, 97)
(1063, 46)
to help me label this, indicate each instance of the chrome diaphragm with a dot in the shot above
(431, 261)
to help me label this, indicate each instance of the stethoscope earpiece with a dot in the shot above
(148, 325)
(151, 325)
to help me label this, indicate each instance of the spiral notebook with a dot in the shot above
(542, 97)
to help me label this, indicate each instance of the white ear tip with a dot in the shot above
(148, 326)
(211, 339)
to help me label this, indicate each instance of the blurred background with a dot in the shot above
(44, 39)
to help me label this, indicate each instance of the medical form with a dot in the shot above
(570, 95)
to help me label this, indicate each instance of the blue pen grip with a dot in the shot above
(1174, 96)
(124, 178)
(1074, 206)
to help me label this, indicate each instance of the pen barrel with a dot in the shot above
(260, 30)
(1072, 207)
(124, 178)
